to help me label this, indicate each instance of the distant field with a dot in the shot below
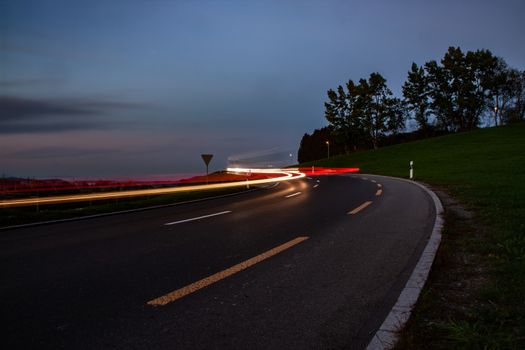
(485, 171)
(32, 214)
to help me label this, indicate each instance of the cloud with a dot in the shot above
(15, 108)
(50, 126)
(16, 83)
(50, 51)
(58, 152)
(25, 115)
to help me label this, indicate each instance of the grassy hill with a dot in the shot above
(485, 171)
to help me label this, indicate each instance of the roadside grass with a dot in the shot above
(475, 295)
(33, 214)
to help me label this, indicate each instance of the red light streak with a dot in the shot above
(234, 177)
(315, 171)
(257, 179)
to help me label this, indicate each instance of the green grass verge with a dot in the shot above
(32, 214)
(485, 171)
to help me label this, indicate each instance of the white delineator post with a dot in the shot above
(411, 170)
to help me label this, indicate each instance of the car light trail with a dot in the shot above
(286, 175)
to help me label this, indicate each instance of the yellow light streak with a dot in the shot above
(287, 176)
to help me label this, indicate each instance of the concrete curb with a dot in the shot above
(387, 335)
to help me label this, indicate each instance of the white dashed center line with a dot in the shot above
(197, 218)
(292, 195)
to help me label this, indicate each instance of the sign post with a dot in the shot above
(207, 158)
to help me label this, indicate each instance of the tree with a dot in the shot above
(516, 91)
(458, 88)
(304, 154)
(416, 92)
(481, 66)
(397, 115)
(342, 114)
(499, 96)
(365, 112)
(380, 112)
(441, 95)
(314, 146)
(455, 94)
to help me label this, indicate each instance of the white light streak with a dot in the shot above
(287, 175)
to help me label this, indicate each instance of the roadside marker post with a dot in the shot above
(411, 170)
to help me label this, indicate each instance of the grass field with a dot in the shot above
(485, 171)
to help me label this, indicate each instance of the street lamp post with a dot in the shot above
(328, 145)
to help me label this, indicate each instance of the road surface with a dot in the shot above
(315, 263)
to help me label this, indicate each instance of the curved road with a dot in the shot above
(306, 264)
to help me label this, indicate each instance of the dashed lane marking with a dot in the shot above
(197, 218)
(292, 195)
(359, 208)
(191, 288)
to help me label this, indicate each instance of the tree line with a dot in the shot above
(464, 91)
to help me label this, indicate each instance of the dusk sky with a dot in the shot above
(130, 88)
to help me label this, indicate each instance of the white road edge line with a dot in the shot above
(387, 335)
(197, 218)
(292, 195)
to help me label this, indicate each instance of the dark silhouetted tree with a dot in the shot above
(458, 88)
(341, 111)
(416, 92)
(364, 113)
(516, 91)
(314, 146)
(379, 111)
(499, 97)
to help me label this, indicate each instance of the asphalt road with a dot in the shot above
(86, 284)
